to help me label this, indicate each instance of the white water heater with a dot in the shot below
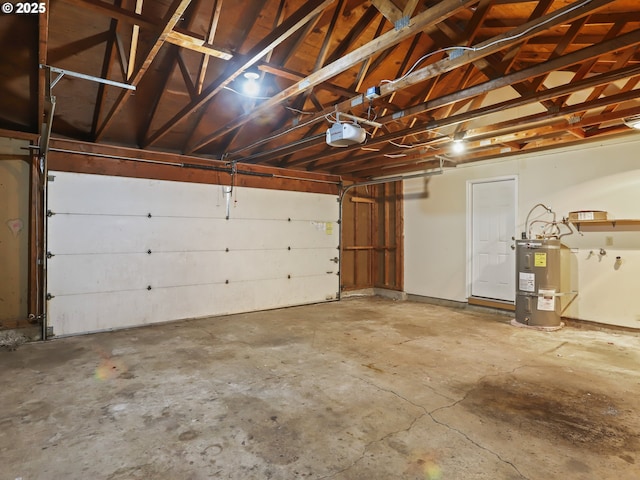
(538, 282)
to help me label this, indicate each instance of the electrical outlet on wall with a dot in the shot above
(608, 241)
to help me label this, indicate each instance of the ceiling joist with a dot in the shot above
(288, 27)
(508, 76)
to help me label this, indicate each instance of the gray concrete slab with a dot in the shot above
(361, 389)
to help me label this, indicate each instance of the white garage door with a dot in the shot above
(130, 251)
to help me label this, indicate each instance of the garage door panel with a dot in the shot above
(100, 195)
(80, 274)
(128, 234)
(115, 266)
(249, 203)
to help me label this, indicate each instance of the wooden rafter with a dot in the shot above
(288, 27)
(43, 41)
(578, 59)
(156, 95)
(322, 55)
(389, 9)
(623, 58)
(550, 65)
(186, 76)
(197, 43)
(277, 21)
(248, 25)
(435, 14)
(61, 53)
(133, 49)
(354, 33)
(175, 13)
(535, 137)
(478, 18)
(211, 34)
(586, 67)
(122, 56)
(281, 56)
(106, 69)
(476, 114)
(366, 65)
(324, 48)
(561, 47)
(495, 44)
(119, 13)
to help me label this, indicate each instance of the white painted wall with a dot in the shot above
(598, 176)
(274, 251)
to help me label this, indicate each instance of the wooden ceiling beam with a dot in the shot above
(123, 60)
(389, 9)
(186, 76)
(402, 68)
(484, 49)
(231, 137)
(478, 18)
(629, 85)
(283, 53)
(491, 67)
(559, 63)
(133, 48)
(43, 42)
(109, 55)
(282, 72)
(531, 138)
(292, 24)
(436, 14)
(176, 10)
(586, 67)
(515, 125)
(354, 33)
(248, 21)
(608, 18)
(60, 53)
(322, 54)
(491, 109)
(561, 47)
(366, 65)
(167, 66)
(197, 43)
(622, 60)
(410, 7)
(497, 67)
(376, 160)
(331, 31)
(211, 33)
(119, 13)
(285, 162)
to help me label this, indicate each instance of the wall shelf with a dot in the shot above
(620, 224)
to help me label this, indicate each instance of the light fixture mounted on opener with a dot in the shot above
(633, 122)
(458, 142)
(251, 86)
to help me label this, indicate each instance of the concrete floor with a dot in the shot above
(365, 388)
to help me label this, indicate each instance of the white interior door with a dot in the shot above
(493, 216)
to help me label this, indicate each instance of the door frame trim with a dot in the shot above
(469, 233)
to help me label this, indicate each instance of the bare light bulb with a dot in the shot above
(458, 146)
(251, 86)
